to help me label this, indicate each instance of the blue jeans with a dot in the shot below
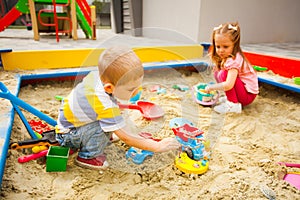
(90, 139)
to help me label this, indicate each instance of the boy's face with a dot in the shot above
(128, 90)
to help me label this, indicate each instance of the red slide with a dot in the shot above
(9, 18)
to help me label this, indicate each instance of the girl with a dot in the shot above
(233, 73)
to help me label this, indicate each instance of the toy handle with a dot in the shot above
(4, 92)
(34, 156)
(130, 106)
(30, 143)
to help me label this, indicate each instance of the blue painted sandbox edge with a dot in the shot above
(53, 75)
(278, 84)
(5, 130)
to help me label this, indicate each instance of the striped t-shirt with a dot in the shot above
(88, 102)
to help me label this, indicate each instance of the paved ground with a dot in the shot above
(21, 39)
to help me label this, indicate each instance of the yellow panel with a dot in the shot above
(168, 53)
(54, 59)
(50, 59)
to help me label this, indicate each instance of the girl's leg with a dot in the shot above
(238, 94)
(231, 95)
(243, 96)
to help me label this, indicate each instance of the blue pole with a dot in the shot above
(25, 122)
(16, 101)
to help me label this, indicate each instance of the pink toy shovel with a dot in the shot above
(149, 110)
(292, 177)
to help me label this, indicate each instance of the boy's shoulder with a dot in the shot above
(92, 78)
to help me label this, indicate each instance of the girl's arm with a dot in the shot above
(226, 85)
(137, 141)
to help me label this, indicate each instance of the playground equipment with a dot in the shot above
(56, 18)
(80, 12)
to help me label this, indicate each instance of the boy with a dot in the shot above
(90, 114)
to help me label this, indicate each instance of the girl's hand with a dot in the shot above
(207, 89)
(168, 144)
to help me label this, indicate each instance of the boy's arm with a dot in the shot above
(137, 141)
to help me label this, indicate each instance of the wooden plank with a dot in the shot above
(74, 20)
(51, 59)
(93, 19)
(33, 20)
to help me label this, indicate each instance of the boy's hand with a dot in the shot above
(168, 144)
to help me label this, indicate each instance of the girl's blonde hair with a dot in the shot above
(119, 65)
(234, 32)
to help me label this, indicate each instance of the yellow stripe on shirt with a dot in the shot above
(95, 102)
(69, 114)
(109, 113)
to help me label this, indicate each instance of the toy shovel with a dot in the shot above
(138, 156)
(149, 110)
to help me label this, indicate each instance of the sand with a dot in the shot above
(245, 149)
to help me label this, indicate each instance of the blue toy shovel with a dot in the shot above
(16, 103)
(137, 156)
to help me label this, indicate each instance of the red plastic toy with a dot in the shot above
(186, 131)
(39, 126)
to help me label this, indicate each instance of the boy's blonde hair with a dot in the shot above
(234, 32)
(119, 65)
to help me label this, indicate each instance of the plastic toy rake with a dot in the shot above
(16, 103)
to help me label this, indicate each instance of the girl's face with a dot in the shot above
(224, 45)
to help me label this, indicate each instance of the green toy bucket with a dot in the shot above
(202, 96)
(57, 159)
